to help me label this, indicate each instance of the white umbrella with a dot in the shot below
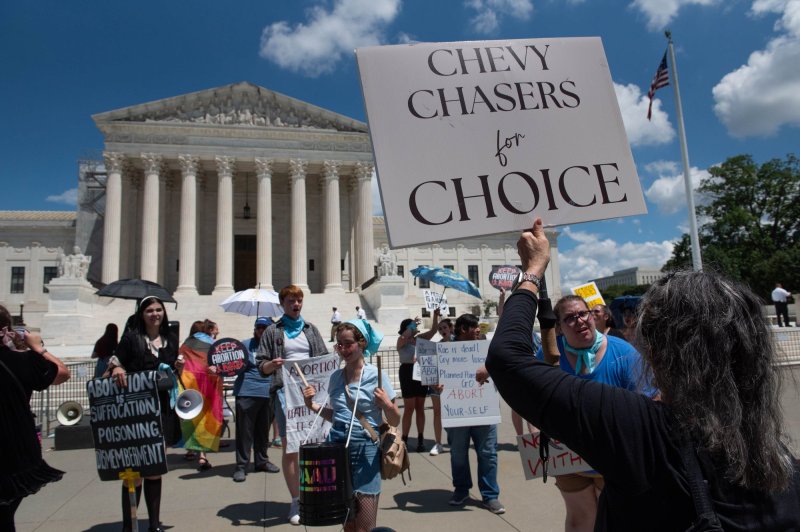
(254, 302)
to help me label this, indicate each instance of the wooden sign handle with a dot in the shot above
(380, 371)
(550, 346)
(300, 372)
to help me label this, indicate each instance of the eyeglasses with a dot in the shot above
(572, 319)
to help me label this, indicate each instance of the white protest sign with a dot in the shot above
(475, 138)
(434, 300)
(466, 403)
(317, 371)
(590, 293)
(428, 360)
(562, 460)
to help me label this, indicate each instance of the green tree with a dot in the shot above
(750, 216)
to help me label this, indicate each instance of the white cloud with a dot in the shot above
(595, 257)
(491, 12)
(659, 13)
(641, 131)
(668, 192)
(68, 197)
(762, 96)
(316, 47)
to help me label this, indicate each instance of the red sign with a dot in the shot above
(229, 356)
(503, 276)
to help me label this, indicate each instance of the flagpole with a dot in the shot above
(697, 261)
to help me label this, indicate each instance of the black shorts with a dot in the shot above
(408, 386)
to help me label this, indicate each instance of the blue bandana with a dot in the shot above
(372, 336)
(587, 355)
(292, 327)
(204, 337)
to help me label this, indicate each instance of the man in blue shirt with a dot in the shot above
(254, 410)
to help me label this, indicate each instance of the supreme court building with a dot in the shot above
(226, 189)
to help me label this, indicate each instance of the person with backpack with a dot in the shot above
(356, 387)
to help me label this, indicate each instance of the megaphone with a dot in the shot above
(189, 404)
(69, 413)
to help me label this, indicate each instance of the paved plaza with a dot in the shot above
(209, 500)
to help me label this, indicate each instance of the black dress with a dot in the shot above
(22, 469)
(134, 356)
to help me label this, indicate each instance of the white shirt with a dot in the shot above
(337, 317)
(361, 314)
(779, 295)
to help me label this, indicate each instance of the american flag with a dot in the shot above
(661, 79)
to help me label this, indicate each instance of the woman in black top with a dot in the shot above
(25, 365)
(711, 354)
(146, 345)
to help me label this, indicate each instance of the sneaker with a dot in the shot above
(294, 512)
(239, 475)
(277, 442)
(269, 467)
(420, 447)
(495, 506)
(458, 499)
(436, 449)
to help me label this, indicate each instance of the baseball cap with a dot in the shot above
(262, 321)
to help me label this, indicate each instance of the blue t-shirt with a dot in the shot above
(621, 364)
(251, 383)
(342, 411)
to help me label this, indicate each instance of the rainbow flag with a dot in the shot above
(203, 432)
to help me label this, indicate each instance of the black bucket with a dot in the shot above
(326, 490)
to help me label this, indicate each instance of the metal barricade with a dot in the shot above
(787, 343)
(45, 403)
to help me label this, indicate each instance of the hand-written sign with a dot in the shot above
(562, 460)
(465, 402)
(299, 419)
(428, 360)
(434, 300)
(522, 127)
(126, 426)
(229, 356)
(503, 276)
(590, 293)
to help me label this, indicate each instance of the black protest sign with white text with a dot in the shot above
(126, 426)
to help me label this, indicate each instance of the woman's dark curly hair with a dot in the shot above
(712, 355)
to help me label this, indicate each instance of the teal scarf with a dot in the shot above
(291, 327)
(586, 356)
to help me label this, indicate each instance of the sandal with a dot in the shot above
(190, 455)
(203, 464)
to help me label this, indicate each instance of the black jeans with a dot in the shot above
(253, 420)
(782, 310)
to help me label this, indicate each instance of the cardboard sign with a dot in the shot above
(466, 403)
(562, 460)
(229, 356)
(434, 300)
(126, 426)
(477, 138)
(428, 361)
(503, 276)
(299, 419)
(590, 293)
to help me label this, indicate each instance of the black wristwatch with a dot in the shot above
(530, 277)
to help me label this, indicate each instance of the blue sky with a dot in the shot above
(738, 61)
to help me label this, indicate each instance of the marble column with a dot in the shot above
(187, 254)
(264, 223)
(363, 236)
(225, 169)
(112, 223)
(150, 217)
(331, 244)
(299, 251)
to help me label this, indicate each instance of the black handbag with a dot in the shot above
(164, 380)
